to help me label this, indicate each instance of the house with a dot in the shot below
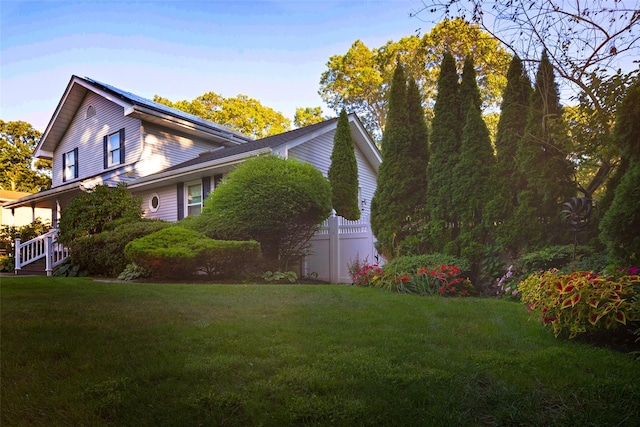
(23, 215)
(100, 134)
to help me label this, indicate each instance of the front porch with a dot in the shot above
(39, 256)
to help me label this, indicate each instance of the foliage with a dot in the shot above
(506, 286)
(445, 152)
(360, 80)
(439, 280)
(410, 264)
(343, 172)
(367, 275)
(620, 226)
(555, 256)
(18, 172)
(580, 302)
(589, 44)
(176, 252)
(8, 233)
(243, 114)
(401, 182)
(69, 268)
(505, 176)
(89, 212)
(133, 271)
(277, 202)
(308, 116)
(280, 276)
(542, 159)
(7, 263)
(102, 254)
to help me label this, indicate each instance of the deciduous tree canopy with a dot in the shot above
(243, 114)
(18, 172)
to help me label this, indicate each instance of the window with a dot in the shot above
(114, 149)
(194, 199)
(70, 165)
(154, 202)
(91, 111)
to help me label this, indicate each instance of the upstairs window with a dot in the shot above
(114, 149)
(70, 165)
(194, 198)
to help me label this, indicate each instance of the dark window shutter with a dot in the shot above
(206, 187)
(105, 146)
(180, 189)
(64, 167)
(216, 180)
(122, 146)
(75, 162)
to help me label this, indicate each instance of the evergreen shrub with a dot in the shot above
(102, 254)
(410, 264)
(176, 252)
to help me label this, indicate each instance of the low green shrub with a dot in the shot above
(442, 280)
(280, 276)
(176, 252)
(581, 302)
(69, 268)
(7, 263)
(133, 271)
(558, 257)
(410, 264)
(102, 254)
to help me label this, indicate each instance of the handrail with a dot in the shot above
(43, 246)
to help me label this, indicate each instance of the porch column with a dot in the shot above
(33, 212)
(54, 215)
(12, 220)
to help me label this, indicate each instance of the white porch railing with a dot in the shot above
(44, 246)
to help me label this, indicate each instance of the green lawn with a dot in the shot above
(82, 353)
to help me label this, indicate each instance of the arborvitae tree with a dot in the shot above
(388, 210)
(445, 149)
(414, 172)
(620, 226)
(542, 159)
(507, 179)
(343, 172)
(472, 174)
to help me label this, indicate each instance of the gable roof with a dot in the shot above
(226, 156)
(133, 105)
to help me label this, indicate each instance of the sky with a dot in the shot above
(271, 50)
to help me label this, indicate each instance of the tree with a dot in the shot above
(18, 172)
(359, 80)
(506, 178)
(620, 225)
(388, 209)
(243, 114)
(445, 151)
(343, 171)
(471, 174)
(277, 202)
(89, 212)
(585, 40)
(308, 116)
(541, 157)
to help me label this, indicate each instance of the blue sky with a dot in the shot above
(274, 51)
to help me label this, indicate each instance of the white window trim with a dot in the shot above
(151, 208)
(187, 205)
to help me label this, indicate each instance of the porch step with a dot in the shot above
(36, 268)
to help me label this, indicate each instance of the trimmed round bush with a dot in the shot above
(277, 202)
(102, 254)
(176, 252)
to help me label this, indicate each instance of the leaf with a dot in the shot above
(620, 317)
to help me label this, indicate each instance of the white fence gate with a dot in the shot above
(338, 243)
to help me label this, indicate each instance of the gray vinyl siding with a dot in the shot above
(87, 135)
(163, 148)
(318, 152)
(167, 210)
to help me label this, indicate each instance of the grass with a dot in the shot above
(80, 353)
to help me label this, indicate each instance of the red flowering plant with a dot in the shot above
(582, 301)
(442, 280)
(367, 275)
